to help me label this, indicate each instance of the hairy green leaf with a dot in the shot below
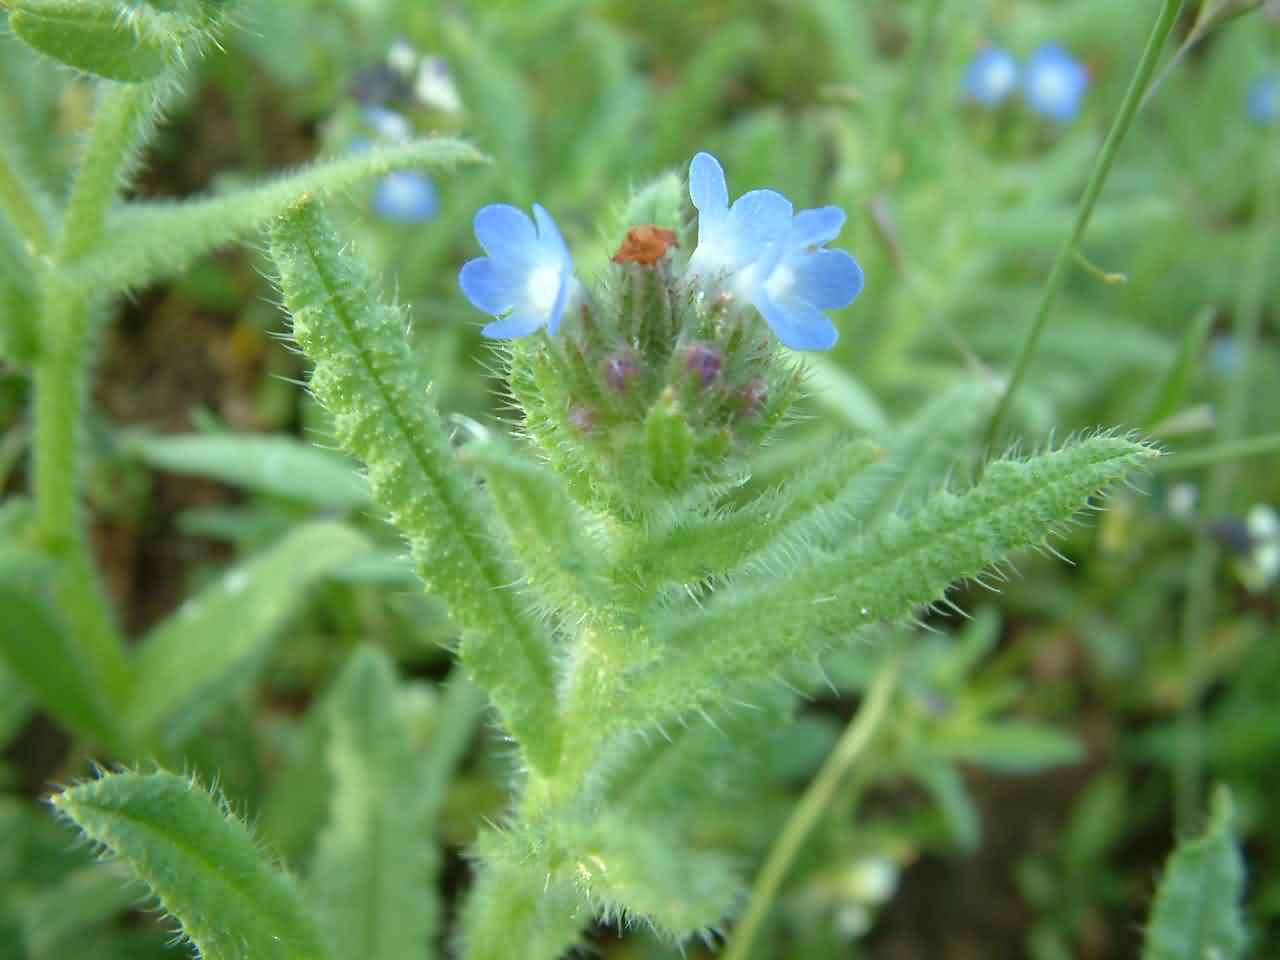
(920, 453)
(119, 41)
(280, 465)
(1196, 914)
(147, 241)
(214, 644)
(369, 381)
(544, 526)
(373, 875)
(201, 863)
(790, 611)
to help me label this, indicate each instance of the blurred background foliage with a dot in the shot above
(1022, 800)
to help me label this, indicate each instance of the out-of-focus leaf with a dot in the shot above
(280, 465)
(127, 42)
(1196, 915)
(373, 875)
(35, 649)
(1010, 746)
(214, 644)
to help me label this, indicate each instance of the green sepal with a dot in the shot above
(201, 863)
(366, 376)
(669, 442)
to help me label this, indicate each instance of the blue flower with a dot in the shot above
(527, 280)
(405, 196)
(1263, 100)
(992, 76)
(1054, 82)
(761, 252)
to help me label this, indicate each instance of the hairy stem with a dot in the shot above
(1084, 213)
(60, 385)
(817, 798)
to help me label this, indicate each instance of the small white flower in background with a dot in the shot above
(434, 86)
(1181, 500)
(402, 57)
(1258, 566)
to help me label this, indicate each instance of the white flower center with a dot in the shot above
(780, 282)
(1000, 78)
(1052, 86)
(542, 287)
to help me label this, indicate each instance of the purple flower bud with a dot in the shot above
(620, 369)
(704, 362)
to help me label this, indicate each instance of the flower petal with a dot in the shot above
(506, 233)
(405, 196)
(549, 237)
(567, 287)
(827, 279)
(515, 325)
(707, 187)
(798, 325)
(813, 228)
(764, 215)
(490, 288)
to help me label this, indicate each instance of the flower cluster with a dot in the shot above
(757, 251)
(1053, 83)
(405, 78)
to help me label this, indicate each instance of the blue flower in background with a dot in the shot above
(771, 258)
(405, 196)
(1263, 100)
(527, 280)
(1054, 82)
(992, 76)
(388, 124)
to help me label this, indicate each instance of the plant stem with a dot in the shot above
(1197, 614)
(1220, 453)
(118, 127)
(60, 384)
(852, 744)
(1097, 178)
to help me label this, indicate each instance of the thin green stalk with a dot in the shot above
(1102, 167)
(119, 125)
(19, 198)
(1197, 614)
(817, 798)
(1220, 453)
(911, 80)
(60, 382)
